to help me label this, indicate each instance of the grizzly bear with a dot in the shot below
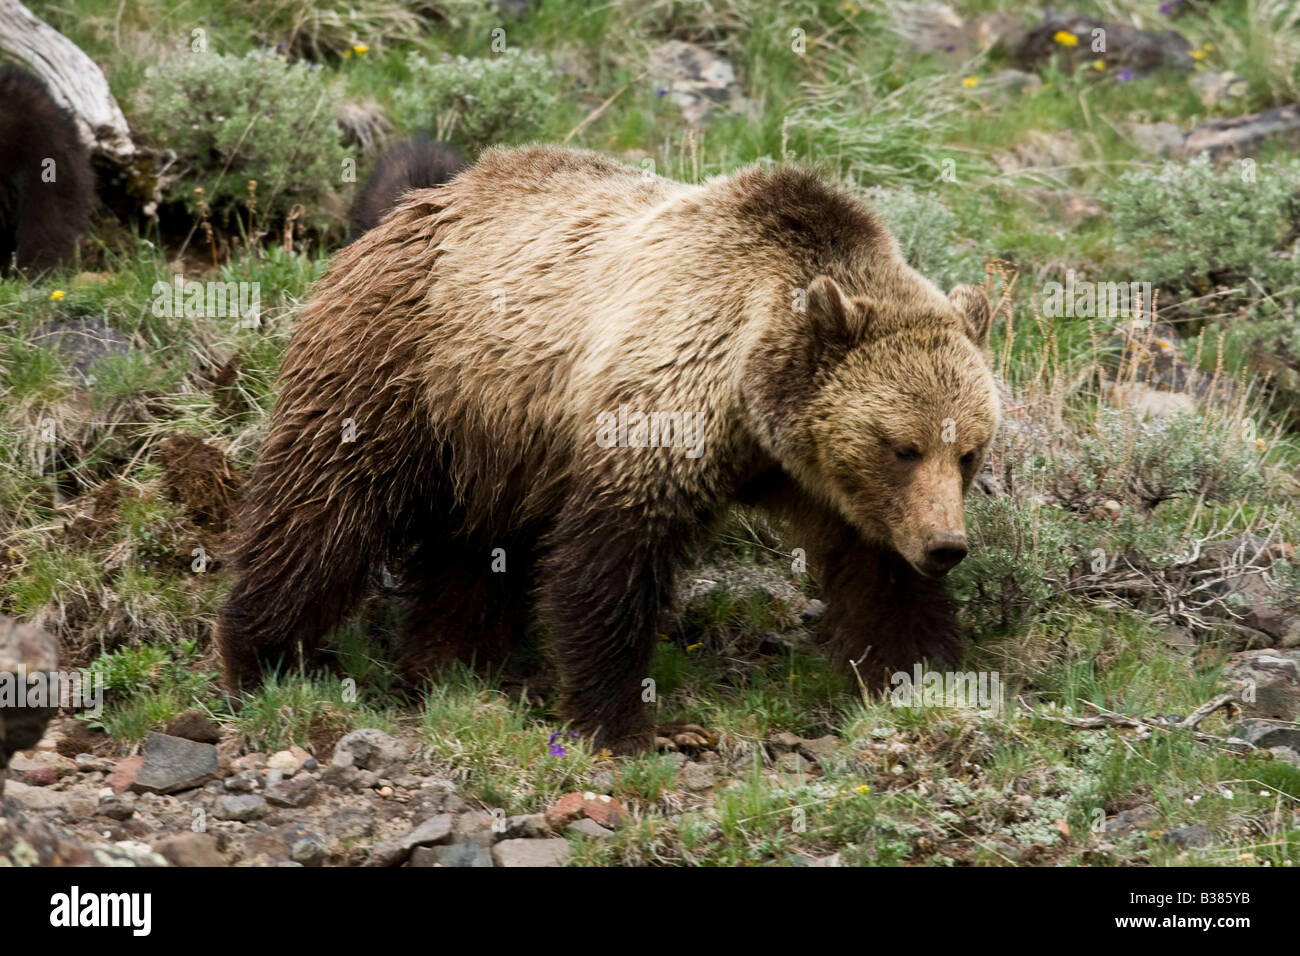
(490, 393)
(417, 163)
(47, 186)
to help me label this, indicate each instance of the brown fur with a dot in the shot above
(475, 336)
(40, 222)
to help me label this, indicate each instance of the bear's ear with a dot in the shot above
(831, 314)
(973, 306)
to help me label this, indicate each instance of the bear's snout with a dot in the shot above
(943, 552)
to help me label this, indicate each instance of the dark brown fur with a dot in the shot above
(473, 337)
(40, 222)
(417, 163)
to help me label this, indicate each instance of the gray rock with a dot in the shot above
(191, 849)
(783, 742)
(117, 806)
(527, 826)
(1268, 734)
(456, 854)
(697, 777)
(173, 763)
(794, 763)
(589, 828)
(28, 841)
(1268, 681)
(821, 748)
(1196, 836)
(350, 823)
(394, 851)
(82, 342)
(306, 846)
(240, 807)
(294, 793)
(71, 804)
(552, 852)
(370, 749)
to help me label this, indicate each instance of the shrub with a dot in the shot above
(925, 230)
(1196, 227)
(481, 101)
(236, 120)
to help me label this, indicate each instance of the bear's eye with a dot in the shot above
(907, 453)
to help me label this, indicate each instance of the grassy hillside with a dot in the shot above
(1132, 537)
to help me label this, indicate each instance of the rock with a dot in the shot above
(695, 79)
(28, 841)
(794, 763)
(457, 854)
(72, 804)
(306, 846)
(24, 652)
(295, 793)
(350, 823)
(124, 774)
(117, 806)
(929, 26)
(369, 749)
(1196, 836)
(239, 807)
(604, 809)
(82, 342)
(90, 763)
(527, 826)
(783, 742)
(552, 852)
(696, 777)
(1154, 139)
(1240, 135)
(56, 765)
(1268, 734)
(174, 763)
(190, 849)
(394, 851)
(1125, 47)
(822, 748)
(194, 725)
(589, 828)
(1268, 682)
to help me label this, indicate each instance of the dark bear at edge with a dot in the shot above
(47, 186)
(441, 396)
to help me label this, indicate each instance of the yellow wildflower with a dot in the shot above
(360, 48)
(57, 294)
(1065, 38)
(970, 82)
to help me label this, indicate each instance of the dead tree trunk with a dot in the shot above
(73, 79)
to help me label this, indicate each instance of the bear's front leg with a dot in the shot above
(883, 615)
(605, 582)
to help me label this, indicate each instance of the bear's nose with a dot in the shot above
(945, 552)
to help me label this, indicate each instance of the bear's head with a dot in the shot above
(883, 408)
